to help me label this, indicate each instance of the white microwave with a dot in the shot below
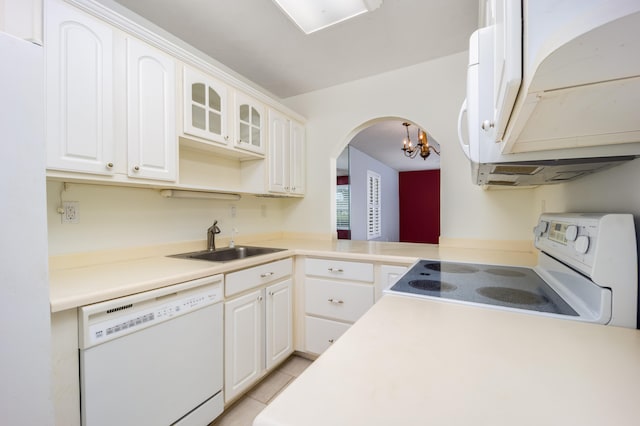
(489, 92)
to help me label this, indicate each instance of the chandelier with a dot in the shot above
(422, 147)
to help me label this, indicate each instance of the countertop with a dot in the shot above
(412, 361)
(78, 280)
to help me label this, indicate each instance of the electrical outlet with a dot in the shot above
(263, 210)
(233, 211)
(71, 212)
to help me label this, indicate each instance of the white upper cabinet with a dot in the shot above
(297, 159)
(286, 155)
(79, 91)
(110, 102)
(205, 107)
(151, 122)
(278, 152)
(507, 61)
(249, 123)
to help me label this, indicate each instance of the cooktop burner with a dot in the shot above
(512, 287)
(430, 285)
(504, 272)
(457, 268)
(512, 295)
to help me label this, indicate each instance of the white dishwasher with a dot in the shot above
(153, 358)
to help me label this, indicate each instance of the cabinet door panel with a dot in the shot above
(79, 85)
(279, 322)
(152, 143)
(278, 152)
(205, 107)
(243, 343)
(297, 159)
(250, 123)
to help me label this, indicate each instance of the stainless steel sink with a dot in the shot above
(227, 254)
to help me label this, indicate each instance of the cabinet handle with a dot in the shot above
(336, 270)
(266, 274)
(336, 301)
(109, 165)
(331, 340)
(136, 168)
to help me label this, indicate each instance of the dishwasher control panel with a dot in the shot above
(115, 318)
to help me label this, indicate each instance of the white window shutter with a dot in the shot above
(374, 220)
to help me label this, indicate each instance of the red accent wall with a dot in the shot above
(419, 206)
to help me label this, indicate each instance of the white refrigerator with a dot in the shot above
(25, 348)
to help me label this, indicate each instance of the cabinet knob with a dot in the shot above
(136, 168)
(226, 138)
(259, 298)
(109, 165)
(266, 274)
(336, 301)
(486, 125)
(331, 340)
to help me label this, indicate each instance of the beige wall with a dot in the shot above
(116, 217)
(611, 191)
(429, 94)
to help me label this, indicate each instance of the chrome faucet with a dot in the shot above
(211, 236)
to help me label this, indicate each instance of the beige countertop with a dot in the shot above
(77, 280)
(412, 361)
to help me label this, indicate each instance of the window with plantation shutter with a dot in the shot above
(374, 221)
(342, 207)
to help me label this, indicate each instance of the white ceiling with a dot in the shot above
(383, 141)
(255, 39)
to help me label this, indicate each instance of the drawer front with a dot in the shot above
(321, 333)
(337, 300)
(237, 282)
(344, 270)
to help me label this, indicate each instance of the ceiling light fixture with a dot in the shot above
(422, 147)
(311, 16)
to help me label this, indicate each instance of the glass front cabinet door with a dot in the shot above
(205, 107)
(250, 123)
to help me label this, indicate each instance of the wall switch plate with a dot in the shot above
(71, 212)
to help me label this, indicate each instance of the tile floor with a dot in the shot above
(242, 412)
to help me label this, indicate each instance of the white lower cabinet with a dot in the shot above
(321, 333)
(279, 323)
(336, 294)
(258, 325)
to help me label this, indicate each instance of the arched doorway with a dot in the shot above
(407, 189)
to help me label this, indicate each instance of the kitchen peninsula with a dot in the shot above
(419, 362)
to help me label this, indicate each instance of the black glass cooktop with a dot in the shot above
(519, 288)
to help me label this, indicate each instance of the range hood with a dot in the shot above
(553, 96)
(541, 172)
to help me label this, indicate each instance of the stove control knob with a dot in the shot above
(541, 228)
(571, 233)
(582, 244)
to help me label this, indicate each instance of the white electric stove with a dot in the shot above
(587, 271)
